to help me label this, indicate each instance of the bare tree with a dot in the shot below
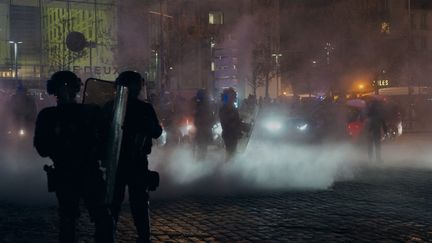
(262, 68)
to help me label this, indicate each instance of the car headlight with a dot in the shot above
(273, 125)
(302, 126)
(21, 132)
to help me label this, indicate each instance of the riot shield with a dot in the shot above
(249, 123)
(101, 92)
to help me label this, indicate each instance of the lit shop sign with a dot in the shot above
(98, 70)
(381, 83)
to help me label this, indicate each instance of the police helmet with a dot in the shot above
(20, 88)
(128, 78)
(63, 79)
(228, 93)
(201, 95)
(131, 79)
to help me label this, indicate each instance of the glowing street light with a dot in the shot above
(15, 43)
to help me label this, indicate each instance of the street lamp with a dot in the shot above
(15, 43)
(277, 56)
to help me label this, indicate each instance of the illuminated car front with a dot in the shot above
(283, 128)
(273, 125)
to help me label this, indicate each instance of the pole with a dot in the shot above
(15, 43)
(16, 59)
(278, 80)
(277, 56)
(161, 43)
(410, 81)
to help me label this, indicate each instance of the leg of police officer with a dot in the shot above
(94, 197)
(370, 146)
(203, 140)
(377, 142)
(202, 151)
(139, 201)
(68, 199)
(230, 147)
(119, 193)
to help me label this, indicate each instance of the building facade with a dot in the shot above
(36, 40)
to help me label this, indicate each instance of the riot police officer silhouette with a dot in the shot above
(70, 135)
(203, 120)
(375, 125)
(232, 126)
(140, 126)
(23, 107)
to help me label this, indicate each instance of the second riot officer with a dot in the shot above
(375, 124)
(204, 120)
(70, 135)
(140, 126)
(232, 126)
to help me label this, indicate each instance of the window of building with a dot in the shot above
(385, 28)
(216, 18)
(423, 23)
(423, 43)
(413, 23)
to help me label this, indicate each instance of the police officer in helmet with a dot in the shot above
(232, 126)
(203, 120)
(70, 135)
(140, 126)
(23, 107)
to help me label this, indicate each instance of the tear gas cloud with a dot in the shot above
(22, 178)
(264, 167)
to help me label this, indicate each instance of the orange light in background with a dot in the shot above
(361, 86)
(284, 93)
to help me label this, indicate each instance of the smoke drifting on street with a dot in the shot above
(264, 167)
(270, 167)
(22, 178)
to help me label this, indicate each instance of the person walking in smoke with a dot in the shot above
(23, 108)
(232, 126)
(69, 134)
(140, 126)
(203, 119)
(375, 123)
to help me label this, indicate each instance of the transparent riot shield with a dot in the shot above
(99, 92)
(106, 94)
(249, 123)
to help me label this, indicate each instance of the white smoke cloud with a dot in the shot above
(271, 167)
(264, 167)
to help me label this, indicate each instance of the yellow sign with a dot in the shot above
(382, 83)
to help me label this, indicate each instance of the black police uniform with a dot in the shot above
(140, 126)
(232, 128)
(70, 135)
(23, 109)
(203, 121)
(375, 122)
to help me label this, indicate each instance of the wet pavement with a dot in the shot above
(377, 205)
